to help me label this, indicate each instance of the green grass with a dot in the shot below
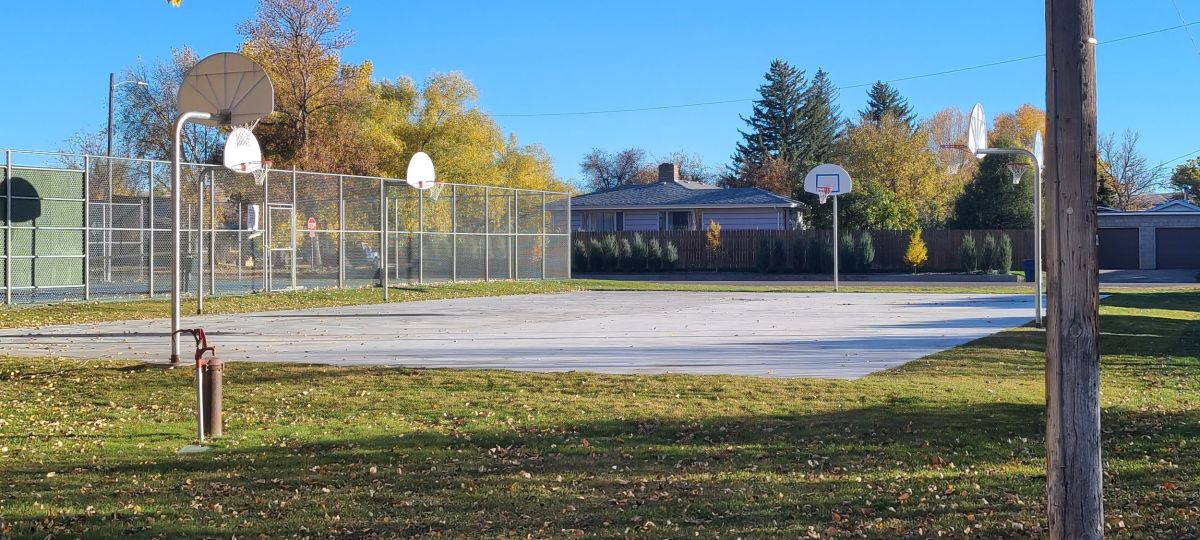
(949, 445)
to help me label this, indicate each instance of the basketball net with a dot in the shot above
(435, 191)
(823, 193)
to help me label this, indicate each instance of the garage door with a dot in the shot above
(1177, 248)
(1119, 249)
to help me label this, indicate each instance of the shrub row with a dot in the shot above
(610, 254)
(816, 255)
(993, 257)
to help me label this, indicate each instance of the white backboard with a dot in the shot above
(242, 153)
(231, 87)
(420, 171)
(977, 131)
(1039, 149)
(828, 175)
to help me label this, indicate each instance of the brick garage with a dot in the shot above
(1164, 237)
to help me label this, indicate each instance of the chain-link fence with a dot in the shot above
(79, 227)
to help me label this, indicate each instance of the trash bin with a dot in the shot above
(1027, 265)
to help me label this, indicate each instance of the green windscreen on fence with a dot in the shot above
(47, 226)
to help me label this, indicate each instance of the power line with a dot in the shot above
(1184, 26)
(1185, 29)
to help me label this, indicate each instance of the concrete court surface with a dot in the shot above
(844, 335)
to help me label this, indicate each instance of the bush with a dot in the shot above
(762, 256)
(596, 261)
(638, 253)
(1004, 254)
(967, 256)
(987, 256)
(612, 252)
(866, 252)
(778, 257)
(847, 258)
(579, 256)
(820, 255)
(917, 253)
(626, 254)
(799, 252)
(670, 256)
(654, 255)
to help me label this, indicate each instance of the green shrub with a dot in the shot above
(612, 252)
(762, 257)
(596, 261)
(1004, 254)
(820, 255)
(579, 256)
(626, 255)
(778, 257)
(987, 256)
(866, 252)
(799, 252)
(638, 254)
(847, 257)
(967, 256)
(670, 256)
(654, 255)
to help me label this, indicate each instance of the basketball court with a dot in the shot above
(845, 335)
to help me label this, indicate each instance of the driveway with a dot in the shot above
(844, 335)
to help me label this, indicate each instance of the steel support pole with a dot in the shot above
(8, 249)
(200, 245)
(420, 237)
(293, 228)
(212, 232)
(515, 237)
(87, 228)
(836, 244)
(176, 262)
(383, 228)
(454, 233)
(487, 235)
(264, 222)
(341, 233)
(150, 262)
(545, 246)
(1037, 223)
(570, 271)
(241, 261)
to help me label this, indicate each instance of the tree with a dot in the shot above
(872, 206)
(299, 44)
(897, 157)
(956, 167)
(773, 174)
(604, 170)
(882, 100)
(916, 254)
(1019, 125)
(144, 114)
(712, 238)
(1131, 173)
(992, 201)
(1186, 178)
(691, 168)
(1106, 186)
(821, 126)
(774, 125)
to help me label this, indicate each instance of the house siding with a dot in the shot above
(744, 219)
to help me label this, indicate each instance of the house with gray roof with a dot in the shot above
(672, 204)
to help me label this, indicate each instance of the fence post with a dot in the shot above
(341, 283)
(200, 244)
(87, 228)
(543, 237)
(487, 235)
(293, 228)
(453, 232)
(150, 192)
(265, 222)
(515, 235)
(212, 232)
(383, 242)
(570, 247)
(420, 237)
(8, 281)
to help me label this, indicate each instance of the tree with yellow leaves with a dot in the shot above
(1018, 126)
(891, 153)
(917, 253)
(713, 238)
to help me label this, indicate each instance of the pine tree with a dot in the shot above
(1106, 191)
(883, 99)
(991, 200)
(774, 125)
(821, 127)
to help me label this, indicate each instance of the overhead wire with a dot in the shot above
(1185, 25)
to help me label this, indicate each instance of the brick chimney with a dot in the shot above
(668, 172)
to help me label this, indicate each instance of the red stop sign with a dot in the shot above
(312, 226)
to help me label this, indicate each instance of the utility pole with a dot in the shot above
(1074, 497)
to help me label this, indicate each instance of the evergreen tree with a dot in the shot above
(1106, 191)
(774, 125)
(883, 99)
(821, 128)
(991, 200)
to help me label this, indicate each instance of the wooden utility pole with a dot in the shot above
(1074, 496)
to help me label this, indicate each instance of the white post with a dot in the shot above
(200, 246)
(87, 230)
(1037, 244)
(176, 194)
(8, 249)
(836, 244)
(487, 236)
(383, 226)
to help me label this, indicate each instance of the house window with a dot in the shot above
(675, 221)
(606, 221)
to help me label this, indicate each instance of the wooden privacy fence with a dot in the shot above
(739, 248)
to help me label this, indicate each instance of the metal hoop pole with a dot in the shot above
(176, 194)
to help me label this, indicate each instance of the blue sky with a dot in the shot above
(552, 57)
